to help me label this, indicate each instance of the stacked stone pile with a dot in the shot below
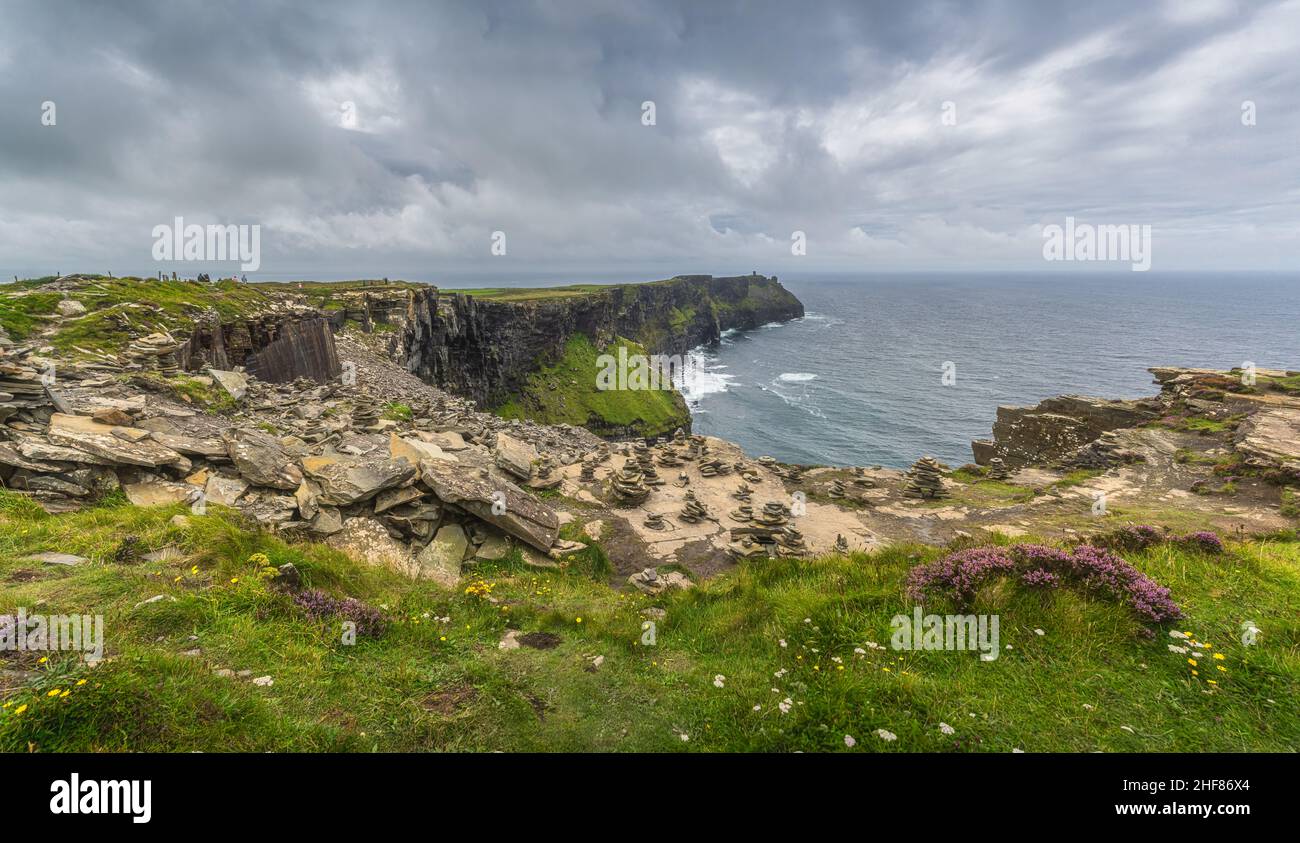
(925, 480)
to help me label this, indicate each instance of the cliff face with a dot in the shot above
(485, 348)
(275, 348)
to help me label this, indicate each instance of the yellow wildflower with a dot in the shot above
(20, 709)
(53, 693)
(1219, 656)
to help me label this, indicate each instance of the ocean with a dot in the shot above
(860, 380)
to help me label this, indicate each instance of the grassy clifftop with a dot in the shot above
(565, 393)
(775, 656)
(116, 305)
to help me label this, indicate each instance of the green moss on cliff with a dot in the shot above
(566, 392)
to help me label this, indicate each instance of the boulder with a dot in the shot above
(261, 459)
(440, 560)
(158, 493)
(111, 416)
(224, 490)
(308, 495)
(328, 521)
(235, 384)
(517, 512)
(414, 450)
(365, 539)
(70, 307)
(515, 456)
(390, 498)
(493, 547)
(344, 481)
(447, 440)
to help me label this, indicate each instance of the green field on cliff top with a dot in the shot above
(776, 655)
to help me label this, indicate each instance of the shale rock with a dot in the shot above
(261, 459)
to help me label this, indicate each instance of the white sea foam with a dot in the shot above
(700, 377)
(797, 377)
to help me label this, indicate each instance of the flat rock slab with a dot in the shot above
(51, 558)
(344, 481)
(503, 505)
(235, 384)
(1272, 436)
(159, 493)
(133, 448)
(515, 456)
(261, 459)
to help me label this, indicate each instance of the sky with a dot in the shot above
(406, 140)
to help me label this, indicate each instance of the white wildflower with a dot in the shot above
(719, 681)
(849, 741)
(886, 735)
(946, 729)
(785, 705)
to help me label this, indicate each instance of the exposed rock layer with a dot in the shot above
(484, 349)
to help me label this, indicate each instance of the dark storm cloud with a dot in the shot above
(526, 118)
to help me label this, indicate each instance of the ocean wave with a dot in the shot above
(796, 377)
(700, 377)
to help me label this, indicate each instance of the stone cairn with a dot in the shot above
(925, 480)
(837, 489)
(743, 513)
(997, 469)
(860, 478)
(774, 514)
(668, 457)
(746, 548)
(629, 486)
(743, 492)
(693, 511)
(841, 543)
(794, 474)
(588, 474)
(789, 541)
(655, 521)
(155, 352)
(22, 394)
(364, 412)
(646, 464)
(714, 468)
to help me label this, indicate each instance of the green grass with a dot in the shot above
(1289, 504)
(430, 685)
(566, 392)
(21, 311)
(113, 303)
(397, 411)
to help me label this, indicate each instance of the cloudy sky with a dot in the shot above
(393, 139)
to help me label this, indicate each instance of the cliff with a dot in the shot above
(491, 346)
